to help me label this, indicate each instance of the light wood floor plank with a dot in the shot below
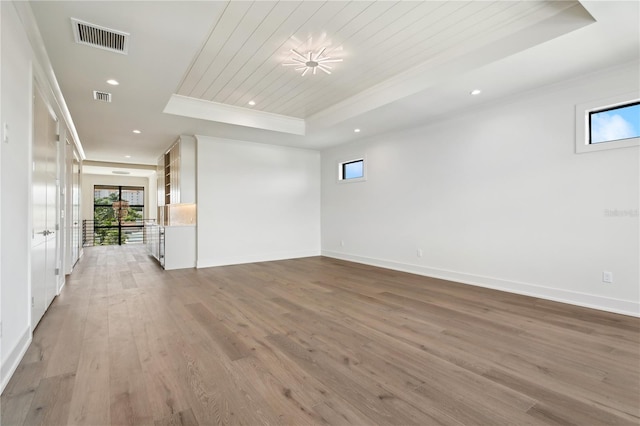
(91, 391)
(315, 341)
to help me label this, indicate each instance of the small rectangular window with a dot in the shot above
(609, 123)
(614, 124)
(351, 171)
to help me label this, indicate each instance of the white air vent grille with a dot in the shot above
(100, 37)
(101, 96)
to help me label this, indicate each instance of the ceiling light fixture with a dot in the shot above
(127, 156)
(252, 103)
(137, 132)
(356, 130)
(475, 92)
(113, 82)
(311, 61)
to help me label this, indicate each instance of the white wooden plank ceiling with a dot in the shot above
(193, 66)
(241, 59)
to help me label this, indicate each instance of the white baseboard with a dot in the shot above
(13, 360)
(617, 306)
(61, 282)
(266, 257)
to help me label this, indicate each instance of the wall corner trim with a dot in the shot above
(44, 70)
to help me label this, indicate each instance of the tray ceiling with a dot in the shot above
(241, 59)
(193, 66)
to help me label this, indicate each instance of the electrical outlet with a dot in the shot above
(341, 243)
(419, 253)
(607, 277)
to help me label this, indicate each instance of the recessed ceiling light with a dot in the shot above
(475, 92)
(311, 61)
(252, 103)
(113, 82)
(127, 156)
(356, 130)
(137, 132)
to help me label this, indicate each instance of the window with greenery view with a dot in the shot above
(118, 213)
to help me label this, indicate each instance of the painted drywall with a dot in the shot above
(68, 222)
(90, 180)
(152, 211)
(256, 202)
(1, 137)
(498, 198)
(15, 222)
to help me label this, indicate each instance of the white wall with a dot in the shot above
(1, 136)
(15, 192)
(151, 197)
(498, 198)
(89, 181)
(256, 202)
(68, 174)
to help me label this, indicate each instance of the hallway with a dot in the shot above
(314, 341)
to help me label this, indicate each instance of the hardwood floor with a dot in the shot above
(315, 341)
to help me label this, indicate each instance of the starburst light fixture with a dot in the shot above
(311, 61)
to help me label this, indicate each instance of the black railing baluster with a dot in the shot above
(121, 233)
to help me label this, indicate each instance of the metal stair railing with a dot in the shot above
(118, 233)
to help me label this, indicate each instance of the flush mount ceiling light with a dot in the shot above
(137, 132)
(311, 61)
(475, 92)
(252, 103)
(112, 82)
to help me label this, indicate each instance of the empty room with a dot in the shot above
(320, 212)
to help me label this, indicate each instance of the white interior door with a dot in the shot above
(43, 244)
(39, 209)
(75, 210)
(51, 279)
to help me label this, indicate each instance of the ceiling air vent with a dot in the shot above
(100, 37)
(101, 96)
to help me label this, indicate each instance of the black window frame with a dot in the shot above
(343, 169)
(612, 108)
(119, 225)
